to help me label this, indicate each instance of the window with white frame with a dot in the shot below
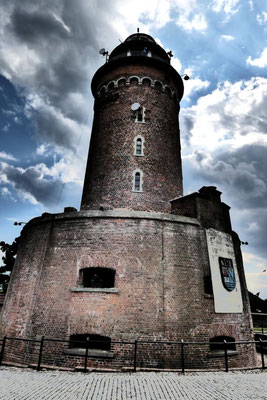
(137, 180)
(138, 146)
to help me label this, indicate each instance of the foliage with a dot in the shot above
(10, 252)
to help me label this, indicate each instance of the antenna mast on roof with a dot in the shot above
(137, 30)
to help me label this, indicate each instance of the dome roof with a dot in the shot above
(140, 36)
(140, 44)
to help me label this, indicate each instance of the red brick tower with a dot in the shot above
(139, 261)
(134, 159)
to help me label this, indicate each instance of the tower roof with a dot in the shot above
(139, 48)
(140, 44)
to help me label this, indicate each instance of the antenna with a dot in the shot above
(135, 106)
(103, 52)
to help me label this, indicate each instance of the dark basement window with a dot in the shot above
(217, 346)
(94, 342)
(97, 277)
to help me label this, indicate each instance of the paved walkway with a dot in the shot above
(23, 384)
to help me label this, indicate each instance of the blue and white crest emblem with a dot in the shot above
(227, 273)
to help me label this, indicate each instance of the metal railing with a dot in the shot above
(181, 348)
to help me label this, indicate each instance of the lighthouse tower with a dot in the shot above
(134, 160)
(139, 261)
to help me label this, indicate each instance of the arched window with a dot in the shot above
(97, 277)
(137, 181)
(138, 146)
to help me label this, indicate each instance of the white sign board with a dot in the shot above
(227, 296)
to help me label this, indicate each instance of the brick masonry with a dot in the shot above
(111, 161)
(160, 267)
(157, 248)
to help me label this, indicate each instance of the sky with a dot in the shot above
(49, 52)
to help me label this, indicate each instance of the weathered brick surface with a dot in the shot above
(160, 259)
(111, 161)
(160, 267)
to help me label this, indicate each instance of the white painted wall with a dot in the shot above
(220, 244)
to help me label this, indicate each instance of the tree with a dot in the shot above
(10, 252)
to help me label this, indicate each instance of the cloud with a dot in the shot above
(193, 86)
(224, 144)
(197, 23)
(231, 116)
(260, 62)
(6, 128)
(7, 156)
(227, 6)
(31, 184)
(262, 18)
(227, 37)
(7, 194)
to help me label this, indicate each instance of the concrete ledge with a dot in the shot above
(98, 290)
(117, 213)
(91, 353)
(220, 353)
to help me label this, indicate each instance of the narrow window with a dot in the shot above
(140, 115)
(92, 341)
(137, 181)
(138, 146)
(97, 277)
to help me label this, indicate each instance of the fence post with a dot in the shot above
(262, 354)
(3, 348)
(135, 355)
(40, 353)
(86, 355)
(182, 354)
(225, 356)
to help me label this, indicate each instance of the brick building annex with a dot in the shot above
(139, 261)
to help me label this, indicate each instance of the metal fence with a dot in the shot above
(136, 355)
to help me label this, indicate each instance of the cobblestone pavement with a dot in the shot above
(23, 384)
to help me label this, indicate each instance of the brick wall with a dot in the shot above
(160, 262)
(111, 161)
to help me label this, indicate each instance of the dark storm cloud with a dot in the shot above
(241, 172)
(61, 41)
(241, 176)
(187, 122)
(30, 181)
(34, 26)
